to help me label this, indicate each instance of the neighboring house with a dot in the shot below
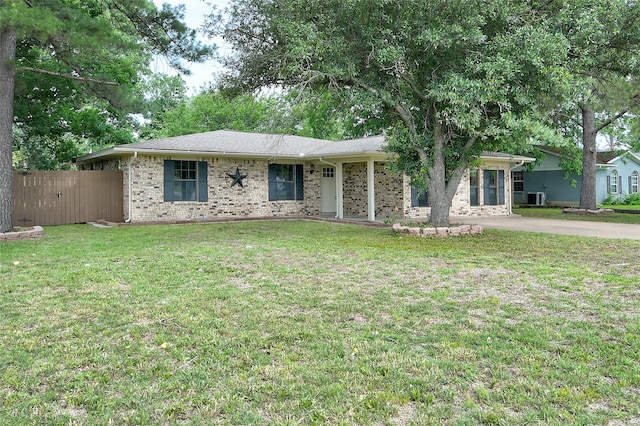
(616, 174)
(236, 174)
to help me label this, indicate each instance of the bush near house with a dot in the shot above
(625, 200)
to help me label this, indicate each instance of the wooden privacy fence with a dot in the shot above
(66, 197)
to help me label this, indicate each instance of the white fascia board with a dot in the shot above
(107, 153)
(510, 159)
(633, 156)
(122, 151)
(352, 158)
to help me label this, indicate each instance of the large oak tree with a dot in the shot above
(58, 55)
(449, 79)
(603, 66)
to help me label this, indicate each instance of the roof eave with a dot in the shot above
(512, 158)
(120, 151)
(107, 153)
(366, 155)
(123, 151)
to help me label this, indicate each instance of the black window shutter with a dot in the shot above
(169, 171)
(630, 188)
(203, 188)
(414, 196)
(501, 186)
(486, 181)
(299, 182)
(608, 183)
(619, 184)
(272, 182)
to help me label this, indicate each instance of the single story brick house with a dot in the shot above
(224, 174)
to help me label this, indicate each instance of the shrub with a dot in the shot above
(632, 199)
(627, 200)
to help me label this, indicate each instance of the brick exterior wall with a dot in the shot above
(224, 201)
(388, 187)
(392, 199)
(461, 203)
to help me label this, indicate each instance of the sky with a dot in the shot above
(195, 13)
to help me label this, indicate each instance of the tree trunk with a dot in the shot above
(7, 86)
(589, 150)
(438, 199)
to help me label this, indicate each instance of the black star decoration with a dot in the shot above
(237, 178)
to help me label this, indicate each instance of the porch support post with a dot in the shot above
(339, 194)
(371, 192)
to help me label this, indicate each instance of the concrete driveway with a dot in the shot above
(552, 226)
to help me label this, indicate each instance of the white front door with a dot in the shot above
(328, 191)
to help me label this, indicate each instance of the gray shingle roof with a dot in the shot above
(353, 146)
(232, 142)
(246, 144)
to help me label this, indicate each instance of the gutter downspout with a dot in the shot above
(129, 164)
(326, 162)
(510, 189)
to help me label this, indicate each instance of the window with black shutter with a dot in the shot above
(185, 180)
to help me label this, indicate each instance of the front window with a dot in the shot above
(493, 187)
(419, 198)
(613, 182)
(633, 183)
(285, 182)
(473, 187)
(518, 181)
(185, 180)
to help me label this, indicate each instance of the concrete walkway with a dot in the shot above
(553, 226)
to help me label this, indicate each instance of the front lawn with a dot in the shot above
(297, 322)
(622, 207)
(556, 213)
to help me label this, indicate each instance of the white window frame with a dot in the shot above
(614, 182)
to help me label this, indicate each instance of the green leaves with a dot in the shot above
(78, 68)
(444, 78)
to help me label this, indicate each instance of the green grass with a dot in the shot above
(556, 213)
(298, 322)
(622, 207)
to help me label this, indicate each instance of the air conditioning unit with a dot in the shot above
(536, 198)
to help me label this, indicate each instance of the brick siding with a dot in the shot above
(392, 199)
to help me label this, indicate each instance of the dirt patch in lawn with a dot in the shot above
(22, 232)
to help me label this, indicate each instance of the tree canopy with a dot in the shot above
(73, 69)
(603, 67)
(448, 79)
(313, 115)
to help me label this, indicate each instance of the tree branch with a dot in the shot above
(635, 100)
(67, 76)
(568, 117)
(415, 89)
